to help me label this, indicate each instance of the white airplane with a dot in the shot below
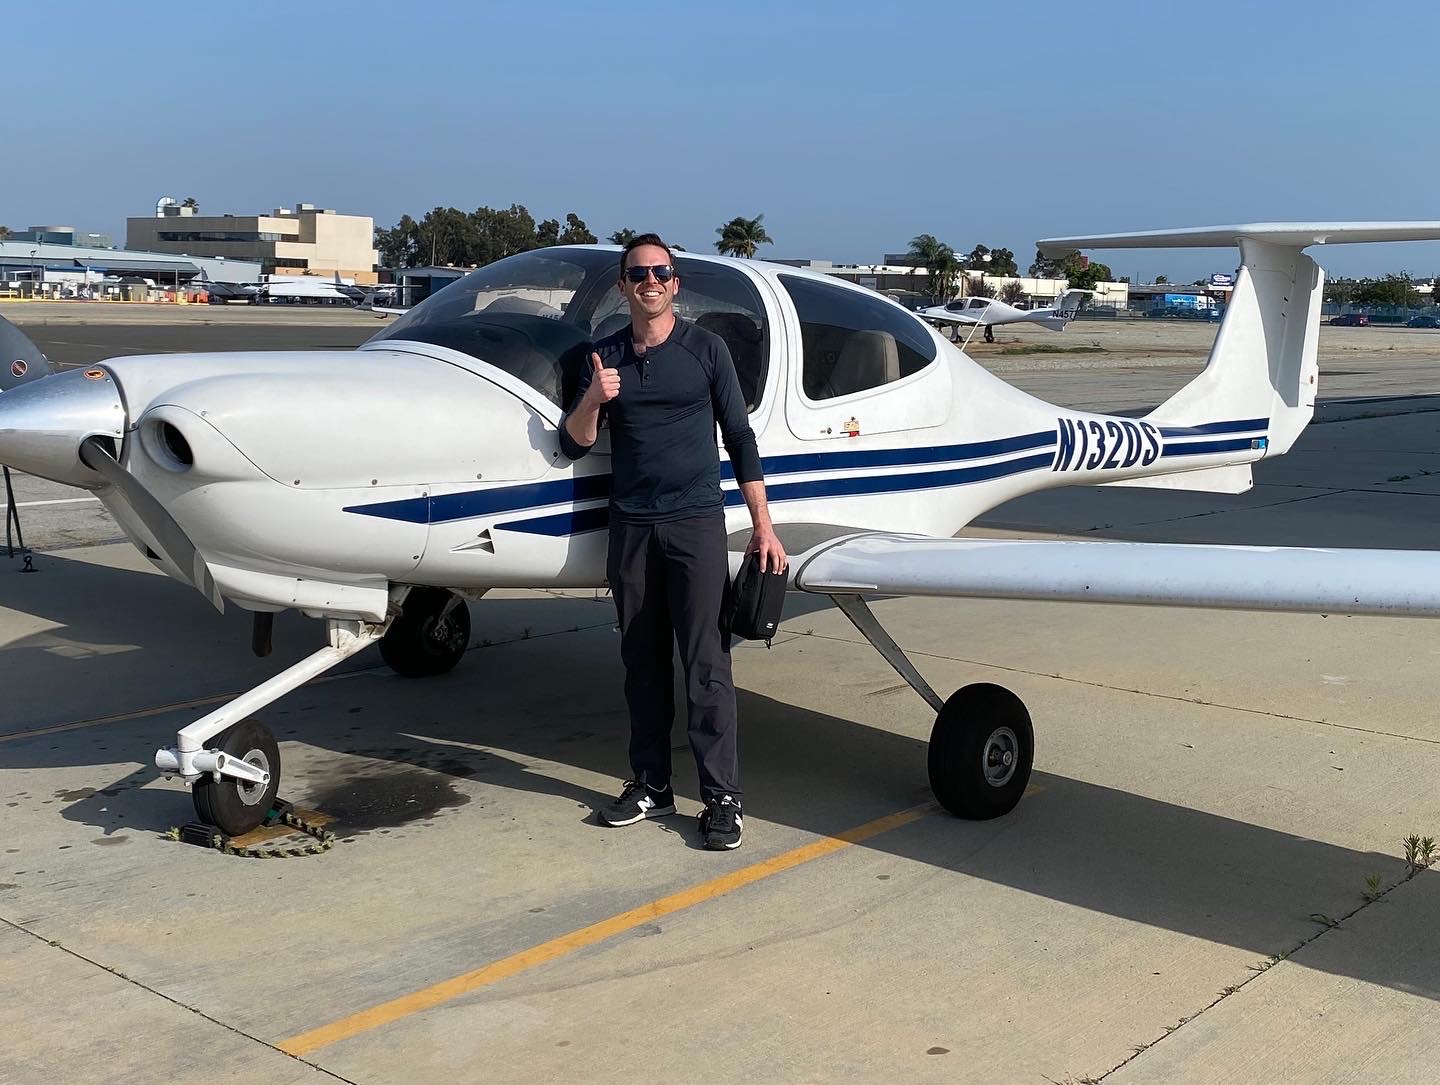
(306, 290)
(377, 489)
(991, 312)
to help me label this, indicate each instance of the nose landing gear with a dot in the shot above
(232, 804)
(430, 634)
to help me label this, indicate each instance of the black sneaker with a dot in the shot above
(636, 803)
(721, 824)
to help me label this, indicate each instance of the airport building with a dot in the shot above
(910, 285)
(42, 269)
(305, 241)
(62, 235)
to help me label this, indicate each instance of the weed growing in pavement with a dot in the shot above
(1420, 853)
(1372, 888)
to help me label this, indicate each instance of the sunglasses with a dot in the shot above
(639, 273)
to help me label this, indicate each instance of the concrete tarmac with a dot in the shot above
(1182, 895)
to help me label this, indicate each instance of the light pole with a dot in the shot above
(32, 271)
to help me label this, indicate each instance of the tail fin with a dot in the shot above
(1263, 363)
(1070, 302)
(1066, 307)
(1262, 373)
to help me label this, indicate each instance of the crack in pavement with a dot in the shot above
(1256, 971)
(56, 944)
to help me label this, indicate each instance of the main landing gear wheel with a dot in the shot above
(237, 806)
(430, 634)
(981, 751)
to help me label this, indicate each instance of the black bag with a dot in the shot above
(754, 602)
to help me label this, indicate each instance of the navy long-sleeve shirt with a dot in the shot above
(664, 462)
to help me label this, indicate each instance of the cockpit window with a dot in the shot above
(852, 340)
(535, 316)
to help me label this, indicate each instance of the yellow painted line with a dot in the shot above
(155, 710)
(430, 997)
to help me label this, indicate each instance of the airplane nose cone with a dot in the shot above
(43, 424)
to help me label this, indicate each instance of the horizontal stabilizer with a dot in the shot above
(1297, 234)
(1329, 581)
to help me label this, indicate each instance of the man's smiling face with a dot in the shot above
(649, 298)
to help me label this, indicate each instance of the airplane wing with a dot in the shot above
(948, 316)
(1299, 579)
(1299, 234)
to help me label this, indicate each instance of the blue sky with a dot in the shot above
(851, 126)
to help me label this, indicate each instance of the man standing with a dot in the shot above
(663, 384)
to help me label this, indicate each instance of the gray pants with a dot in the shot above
(669, 581)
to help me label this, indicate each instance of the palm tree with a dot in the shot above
(940, 263)
(622, 237)
(742, 236)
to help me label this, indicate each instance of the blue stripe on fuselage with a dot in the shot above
(1240, 426)
(471, 503)
(1197, 448)
(896, 457)
(573, 523)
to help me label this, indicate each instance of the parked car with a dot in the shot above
(1351, 320)
(1423, 321)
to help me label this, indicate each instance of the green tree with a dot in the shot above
(1042, 267)
(1161, 280)
(444, 236)
(397, 245)
(502, 233)
(1000, 262)
(1086, 276)
(977, 287)
(547, 233)
(1391, 290)
(622, 237)
(576, 232)
(1012, 293)
(190, 201)
(742, 237)
(940, 262)
(1082, 274)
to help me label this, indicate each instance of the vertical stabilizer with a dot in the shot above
(1263, 363)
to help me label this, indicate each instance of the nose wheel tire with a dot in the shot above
(981, 752)
(430, 634)
(237, 806)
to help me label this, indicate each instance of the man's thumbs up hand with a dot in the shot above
(604, 383)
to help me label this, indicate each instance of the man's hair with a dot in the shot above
(643, 239)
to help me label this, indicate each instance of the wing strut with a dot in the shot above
(858, 611)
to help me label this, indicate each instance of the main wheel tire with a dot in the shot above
(981, 752)
(235, 806)
(425, 641)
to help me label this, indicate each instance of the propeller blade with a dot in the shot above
(175, 546)
(20, 359)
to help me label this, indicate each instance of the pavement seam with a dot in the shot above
(1256, 971)
(1143, 692)
(208, 699)
(55, 944)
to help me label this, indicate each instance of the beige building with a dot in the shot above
(305, 241)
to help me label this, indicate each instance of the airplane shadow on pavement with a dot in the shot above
(377, 750)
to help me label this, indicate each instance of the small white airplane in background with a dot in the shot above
(991, 312)
(379, 488)
(306, 290)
